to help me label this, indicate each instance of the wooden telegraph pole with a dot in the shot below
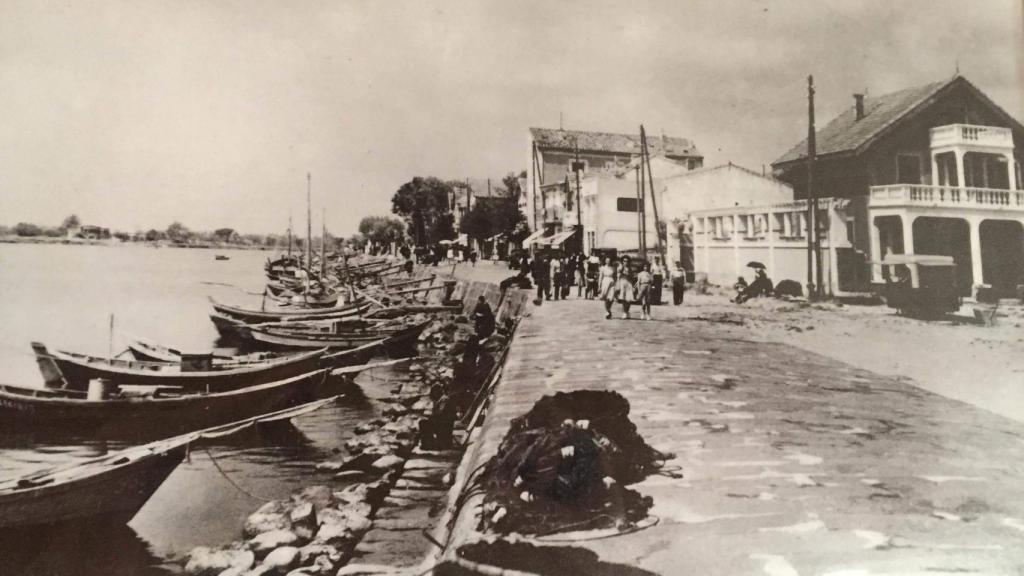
(643, 210)
(811, 214)
(639, 225)
(577, 167)
(536, 174)
(654, 200)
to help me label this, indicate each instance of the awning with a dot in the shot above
(559, 238)
(532, 238)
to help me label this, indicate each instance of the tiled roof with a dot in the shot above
(607, 142)
(846, 133)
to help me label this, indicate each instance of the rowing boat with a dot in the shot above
(199, 373)
(153, 352)
(252, 316)
(278, 338)
(148, 412)
(114, 486)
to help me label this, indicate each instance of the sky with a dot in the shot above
(136, 114)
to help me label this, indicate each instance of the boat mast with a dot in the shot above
(323, 247)
(289, 237)
(309, 230)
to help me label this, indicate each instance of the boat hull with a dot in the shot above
(257, 316)
(74, 371)
(116, 493)
(151, 417)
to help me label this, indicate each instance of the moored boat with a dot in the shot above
(254, 316)
(116, 485)
(149, 412)
(279, 338)
(70, 370)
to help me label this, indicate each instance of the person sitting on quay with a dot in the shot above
(761, 286)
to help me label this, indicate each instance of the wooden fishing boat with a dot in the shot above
(221, 257)
(153, 352)
(255, 316)
(114, 486)
(149, 411)
(193, 373)
(297, 339)
(302, 300)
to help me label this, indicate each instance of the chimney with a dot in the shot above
(859, 105)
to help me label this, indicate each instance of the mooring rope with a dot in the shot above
(232, 482)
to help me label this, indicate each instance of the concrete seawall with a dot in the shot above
(793, 463)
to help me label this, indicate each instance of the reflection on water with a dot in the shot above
(64, 295)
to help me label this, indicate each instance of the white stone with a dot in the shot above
(205, 561)
(267, 541)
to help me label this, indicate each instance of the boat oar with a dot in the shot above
(231, 286)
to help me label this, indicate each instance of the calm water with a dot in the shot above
(64, 296)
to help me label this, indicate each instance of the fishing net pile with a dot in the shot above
(565, 464)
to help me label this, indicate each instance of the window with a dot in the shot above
(908, 169)
(626, 205)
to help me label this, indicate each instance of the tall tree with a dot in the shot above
(425, 205)
(381, 229)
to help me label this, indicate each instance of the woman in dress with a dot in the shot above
(645, 289)
(606, 281)
(624, 288)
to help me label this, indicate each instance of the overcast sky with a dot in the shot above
(135, 114)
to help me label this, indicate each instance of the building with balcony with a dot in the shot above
(926, 170)
(549, 197)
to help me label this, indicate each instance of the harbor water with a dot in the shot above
(64, 296)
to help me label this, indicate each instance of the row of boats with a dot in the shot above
(292, 356)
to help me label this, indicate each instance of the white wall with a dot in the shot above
(712, 188)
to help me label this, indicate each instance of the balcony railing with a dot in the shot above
(967, 135)
(946, 196)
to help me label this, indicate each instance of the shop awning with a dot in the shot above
(533, 238)
(560, 238)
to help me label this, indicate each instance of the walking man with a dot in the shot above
(542, 278)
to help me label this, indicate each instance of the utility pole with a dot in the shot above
(811, 215)
(654, 200)
(639, 225)
(577, 167)
(643, 210)
(536, 174)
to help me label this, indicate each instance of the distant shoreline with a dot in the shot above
(115, 242)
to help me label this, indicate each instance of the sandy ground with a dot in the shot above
(955, 357)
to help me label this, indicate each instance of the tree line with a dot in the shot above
(425, 209)
(176, 233)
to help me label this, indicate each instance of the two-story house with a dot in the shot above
(926, 170)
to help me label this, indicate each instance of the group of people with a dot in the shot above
(619, 280)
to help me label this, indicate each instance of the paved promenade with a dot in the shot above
(793, 463)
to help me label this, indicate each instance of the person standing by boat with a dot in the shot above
(624, 291)
(606, 281)
(483, 318)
